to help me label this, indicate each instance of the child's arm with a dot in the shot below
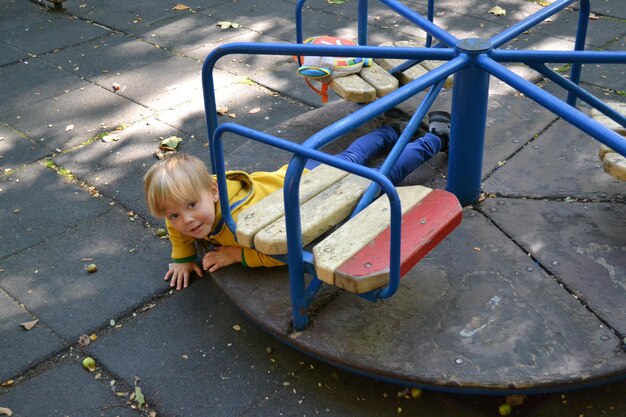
(179, 274)
(221, 256)
(227, 255)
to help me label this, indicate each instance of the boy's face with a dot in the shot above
(194, 218)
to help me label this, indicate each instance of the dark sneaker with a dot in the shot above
(439, 124)
(398, 119)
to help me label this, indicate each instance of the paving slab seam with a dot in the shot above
(546, 269)
(521, 148)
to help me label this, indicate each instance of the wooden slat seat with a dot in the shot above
(327, 197)
(613, 163)
(356, 256)
(375, 81)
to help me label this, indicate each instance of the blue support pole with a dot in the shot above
(362, 22)
(581, 37)
(469, 115)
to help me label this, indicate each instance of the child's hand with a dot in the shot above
(179, 274)
(221, 256)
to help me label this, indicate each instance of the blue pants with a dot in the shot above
(362, 150)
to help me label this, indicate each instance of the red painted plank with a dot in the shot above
(423, 227)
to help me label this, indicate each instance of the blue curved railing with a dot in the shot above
(471, 61)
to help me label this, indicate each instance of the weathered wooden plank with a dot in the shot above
(383, 82)
(404, 77)
(424, 226)
(613, 163)
(608, 122)
(357, 232)
(318, 215)
(265, 212)
(353, 88)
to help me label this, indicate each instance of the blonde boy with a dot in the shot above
(180, 189)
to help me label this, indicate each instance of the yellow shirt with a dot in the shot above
(244, 190)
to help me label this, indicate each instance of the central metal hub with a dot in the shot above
(474, 45)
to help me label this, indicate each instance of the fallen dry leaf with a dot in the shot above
(139, 398)
(181, 7)
(236, 327)
(29, 324)
(255, 110)
(116, 87)
(222, 110)
(7, 383)
(232, 115)
(84, 340)
(6, 411)
(497, 11)
(170, 144)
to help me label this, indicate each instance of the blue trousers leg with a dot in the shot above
(414, 155)
(363, 149)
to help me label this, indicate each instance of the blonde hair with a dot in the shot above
(177, 179)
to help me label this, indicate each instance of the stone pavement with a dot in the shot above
(74, 151)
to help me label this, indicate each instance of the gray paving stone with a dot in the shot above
(74, 117)
(567, 238)
(271, 17)
(67, 390)
(29, 191)
(568, 160)
(106, 57)
(317, 389)
(595, 402)
(599, 32)
(41, 341)
(189, 336)
(33, 81)
(608, 76)
(10, 54)
(240, 100)
(51, 280)
(199, 4)
(613, 8)
(189, 32)
(17, 150)
(21, 16)
(117, 168)
(174, 81)
(122, 15)
(55, 31)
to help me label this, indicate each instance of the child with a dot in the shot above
(181, 190)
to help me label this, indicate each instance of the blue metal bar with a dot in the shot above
(581, 36)
(411, 62)
(428, 26)
(575, 117)
(580, 93)
(362, 22)
(372, 191)
(529, 22)
(467, 133)
(430, 15)
(583, 57)
(299, 28)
